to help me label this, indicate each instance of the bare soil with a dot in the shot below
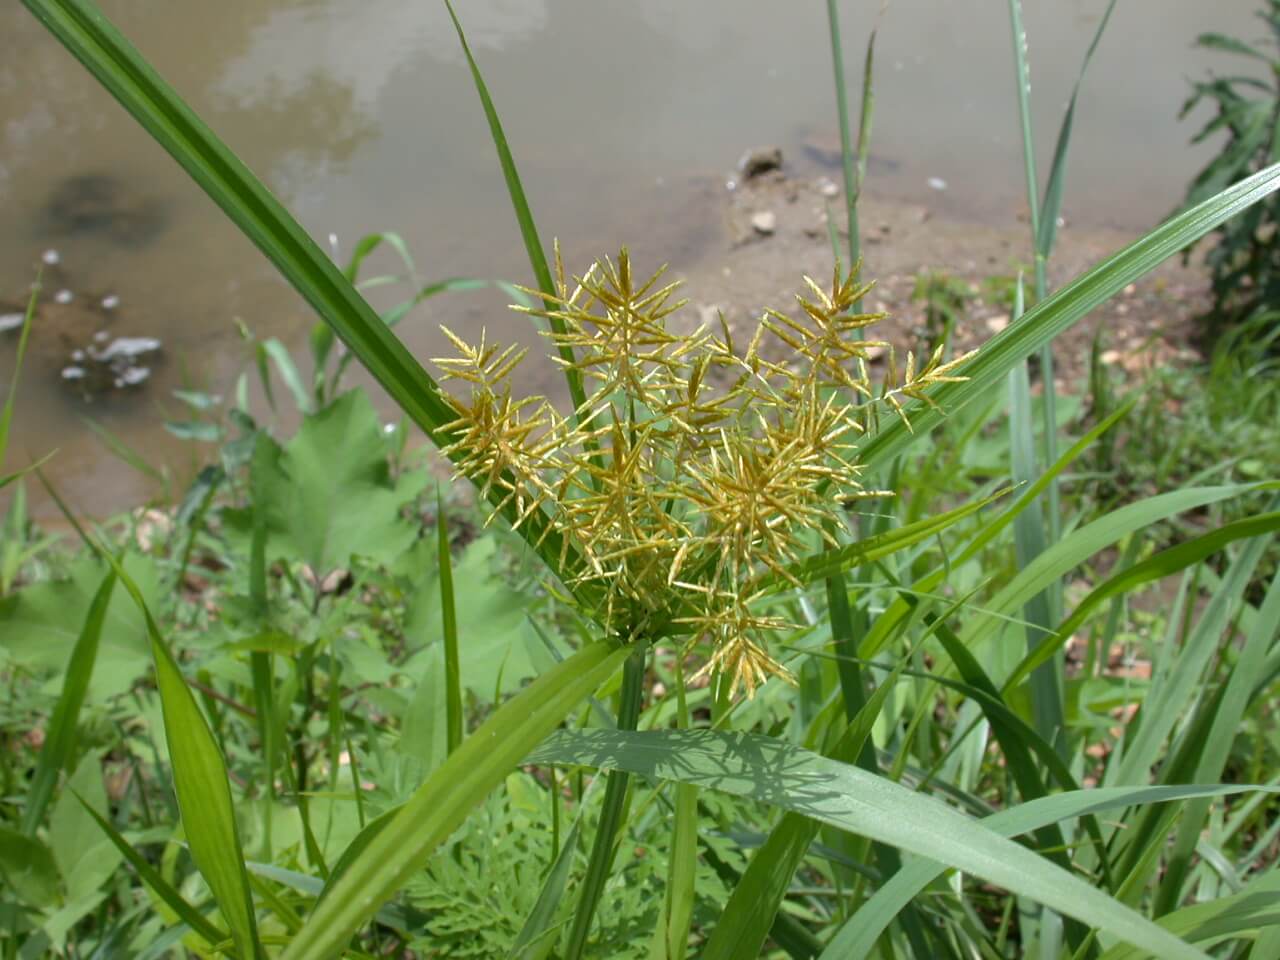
(737, 268)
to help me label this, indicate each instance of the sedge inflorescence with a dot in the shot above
(697, 469)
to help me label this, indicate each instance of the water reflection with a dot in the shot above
(625, 118)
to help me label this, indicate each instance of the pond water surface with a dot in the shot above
(362, 117)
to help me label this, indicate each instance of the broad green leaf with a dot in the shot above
(1059, 312)
(859, 934)
(771, 771)
(60, 740)
(84, 855)
(495, 640)
(42, 624)
(28, 869)
(328, 494)
(443, 801)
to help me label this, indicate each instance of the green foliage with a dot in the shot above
(945, 299)
(274, 751)
(1244, 261)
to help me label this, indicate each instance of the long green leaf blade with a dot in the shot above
(859, 934)
(60, 741)
(772, 771)
(440, 804)
(1059, 312)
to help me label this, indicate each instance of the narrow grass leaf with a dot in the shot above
(159, 885)
(1163, 564)
(1052, 207)
(443, 801)
(449, 617)
(1180, 683)
(1047, 706)
(60, 739)
(1085, 542)
(603, 848)
(524, 216)
(859, 934)
(1059, 312)
(778, 773)
(6, 414)
(536, 938)
(749, 914)
(833, 562)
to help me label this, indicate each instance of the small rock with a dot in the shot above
(51, 258)
(1110, 357)
(73, 373)
(129, 348)
(101, 336)
(110, 302)
(11, 321)
(760, 160)
(63, 296)
(1130, 290)
(874, 353)
(937, 183)
(996, 324)
(765, 222)
(828, 188)
(132, 376)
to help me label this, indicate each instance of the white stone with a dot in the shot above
(765, 222)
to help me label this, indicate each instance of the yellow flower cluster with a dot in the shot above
(694, 467)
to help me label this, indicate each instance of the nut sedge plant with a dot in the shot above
(696, 465)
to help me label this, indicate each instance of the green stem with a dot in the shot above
(615, 794)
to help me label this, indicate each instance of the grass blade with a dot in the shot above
(1050, 317)
(1216, 748)
(156, 881)
(60, 740)
(455, 720)
(534, 941)
(443, 801)
(6, 415)
(1029, 542)
(1052, 207)
(1086, 542)
(1163, 564)
(199, 773)
(747, 917)
(615, 795)
(772, 771)
(858, 936)
(524, 216)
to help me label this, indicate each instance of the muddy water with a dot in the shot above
(626, 119)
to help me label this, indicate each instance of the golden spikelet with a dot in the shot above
(692, 468)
